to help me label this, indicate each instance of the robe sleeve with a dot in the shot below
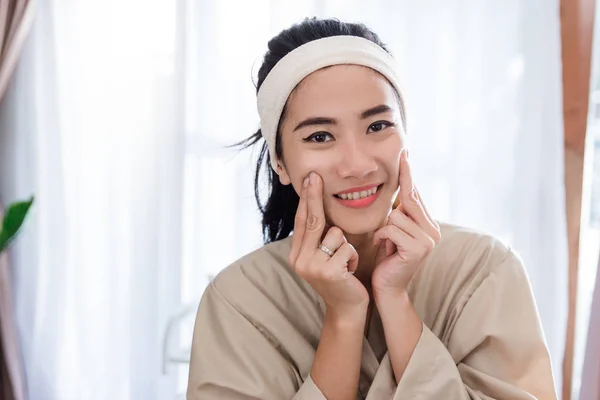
(233, 360)
(496, 348)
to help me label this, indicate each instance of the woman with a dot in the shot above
(370, 298)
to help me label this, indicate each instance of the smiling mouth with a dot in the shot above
(359, 195)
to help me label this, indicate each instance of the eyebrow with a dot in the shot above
(380, 109)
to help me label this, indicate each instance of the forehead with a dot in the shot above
(341, 89)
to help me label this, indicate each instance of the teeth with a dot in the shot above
(358, 195)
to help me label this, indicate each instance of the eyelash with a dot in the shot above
(386, 124)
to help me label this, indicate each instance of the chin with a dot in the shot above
(358, 224)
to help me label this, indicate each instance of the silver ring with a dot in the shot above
(326, 250)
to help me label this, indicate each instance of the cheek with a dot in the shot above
(390, 154)
(306, 163)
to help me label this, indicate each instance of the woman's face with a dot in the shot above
(343, 122)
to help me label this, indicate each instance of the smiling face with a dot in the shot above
(344, 123)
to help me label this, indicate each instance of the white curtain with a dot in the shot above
(117, 118)
(92, 125)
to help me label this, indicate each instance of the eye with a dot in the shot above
(379, 126)
(319, 137)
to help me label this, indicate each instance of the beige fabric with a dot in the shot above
(258, 327)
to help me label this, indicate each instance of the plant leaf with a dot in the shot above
(13, 219)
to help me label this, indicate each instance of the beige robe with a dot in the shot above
(259, 323)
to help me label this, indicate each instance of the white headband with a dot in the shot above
(308, 58)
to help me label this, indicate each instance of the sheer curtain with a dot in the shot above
(92, 124)
(117, 118)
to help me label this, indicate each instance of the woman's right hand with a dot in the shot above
(330, 276)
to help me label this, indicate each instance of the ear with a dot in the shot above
(284, 178)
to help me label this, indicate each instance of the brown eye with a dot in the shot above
(379, 126)
(319, 137)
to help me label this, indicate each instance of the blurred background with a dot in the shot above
(116, 115)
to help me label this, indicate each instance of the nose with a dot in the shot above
(356, 160)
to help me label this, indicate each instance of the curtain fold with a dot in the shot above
(16, 17)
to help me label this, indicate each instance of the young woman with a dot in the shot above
(371, 297)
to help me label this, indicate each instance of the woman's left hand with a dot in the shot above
(408, 237)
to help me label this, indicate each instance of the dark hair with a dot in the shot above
(280, 208)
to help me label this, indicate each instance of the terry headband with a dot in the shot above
(308, 58)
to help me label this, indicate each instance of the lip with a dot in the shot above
(360, 203)
(359, 189)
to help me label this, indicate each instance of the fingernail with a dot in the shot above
(305, 183)
(313, 178)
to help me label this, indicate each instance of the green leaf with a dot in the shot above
(13, 219)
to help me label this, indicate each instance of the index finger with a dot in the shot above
(410, 201)
(299, 223)
(398, 200)
(405, 178)
(315, 217)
